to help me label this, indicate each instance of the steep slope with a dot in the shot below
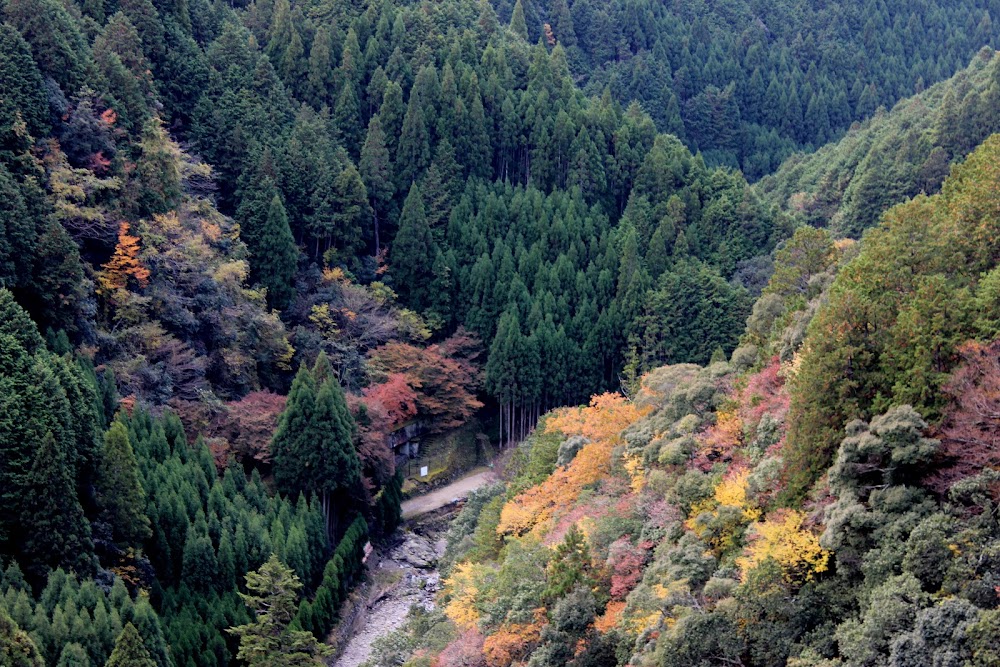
(746, 82)
(674, 528)
(845, 186)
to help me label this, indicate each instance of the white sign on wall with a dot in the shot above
(423, 471)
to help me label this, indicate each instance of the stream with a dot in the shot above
(404, 574)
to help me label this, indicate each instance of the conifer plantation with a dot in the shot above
(713, 285)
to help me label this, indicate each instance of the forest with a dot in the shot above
(243, 243)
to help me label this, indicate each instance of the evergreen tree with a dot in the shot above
(16, 647)
(413, 252)
(275, 257)
(376, 173)
(129, 650)
(59, 533)
(347, 120)
(413, 154)
(120, 492)
(352, 213)
(321, 68)
(21, 87)
(269, 641)
(518, 26)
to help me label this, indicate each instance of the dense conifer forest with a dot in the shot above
(243, 244)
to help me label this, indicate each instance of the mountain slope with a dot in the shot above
(673, 530)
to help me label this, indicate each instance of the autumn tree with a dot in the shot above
(125, 268)
(443, 378)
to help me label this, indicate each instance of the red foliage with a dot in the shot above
(98, 164)
(970, 433)
(466, 651)
(240, 428)
(374, 426)
(249, 423)
(626, 561)
(765, 393)
(443, 377)
(394, 398)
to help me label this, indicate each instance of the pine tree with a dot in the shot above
(347, 119)
(120, 492)
(274, 259)
(293, 432)
(319, 81)
(130, 650)
(376, 172)
(21, 87)
(392, 114)
(73, 654)
(333, 462)
(16, 647)
(352, 213)
(518, 26)
(269, 641)
(414, 151)
(413, 252)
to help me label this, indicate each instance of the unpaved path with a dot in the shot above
(446, 494)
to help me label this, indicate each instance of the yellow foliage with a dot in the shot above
(782, 538)
(462, 587)
(732, 491)
(334, 275)
(321, 316)
(233, 273)
(636, 471)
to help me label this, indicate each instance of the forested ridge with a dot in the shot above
(241, 244)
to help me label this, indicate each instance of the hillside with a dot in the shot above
(748, 82)
(248, 249)
(825, 497)
(847, 185)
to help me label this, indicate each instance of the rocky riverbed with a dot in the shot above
(403, 575)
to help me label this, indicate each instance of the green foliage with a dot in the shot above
(16, 647)
(313, 446)
(129, 650)
(895, 315)
(272, 597)
(120, 491)
(570, 566)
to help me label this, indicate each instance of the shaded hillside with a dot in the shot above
(845, 186)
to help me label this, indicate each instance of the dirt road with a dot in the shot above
(437, 499)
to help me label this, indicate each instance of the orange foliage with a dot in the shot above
(605, 418)
(513, 642)
(612, 614)
(721, 439)
(124, 264)
(602, 422)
